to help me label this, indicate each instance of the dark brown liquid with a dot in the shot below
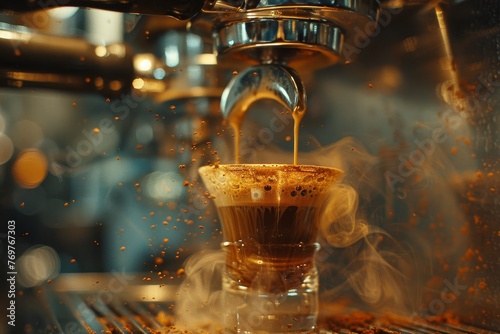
(270, 247)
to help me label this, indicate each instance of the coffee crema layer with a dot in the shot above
(267, 184)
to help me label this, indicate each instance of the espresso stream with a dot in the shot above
(235, 119)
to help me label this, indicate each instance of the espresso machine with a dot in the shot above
(108, 109)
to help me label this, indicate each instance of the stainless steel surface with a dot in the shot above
(273, 82)
(281, 41)
(31, 59)
(300, 34)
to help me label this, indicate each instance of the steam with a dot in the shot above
(378, 277)
(199, 299)
(366, 257)
(338, 222)
(373, 265)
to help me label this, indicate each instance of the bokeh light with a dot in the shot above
(36, 265)
(62, 13)
(164, 186)
(30, 168)
(6, 148)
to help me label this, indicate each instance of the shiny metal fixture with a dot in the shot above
(282, 41)
(299, 34)
(274, 82)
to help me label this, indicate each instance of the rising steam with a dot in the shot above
(362, 257)
(338, 222)
(357, 256)
(199, 301)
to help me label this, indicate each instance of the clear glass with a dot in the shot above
(269, 216)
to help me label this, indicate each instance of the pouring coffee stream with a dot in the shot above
(275, 82)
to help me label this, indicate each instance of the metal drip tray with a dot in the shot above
(123, 303)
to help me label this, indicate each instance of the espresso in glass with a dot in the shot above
(269, 216)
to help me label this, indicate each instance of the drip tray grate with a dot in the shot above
(77, 304)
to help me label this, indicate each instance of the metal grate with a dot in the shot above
(147, 308)
(90, 313)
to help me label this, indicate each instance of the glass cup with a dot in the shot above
(269, 216)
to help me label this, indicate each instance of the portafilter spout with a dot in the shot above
(274, 82)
